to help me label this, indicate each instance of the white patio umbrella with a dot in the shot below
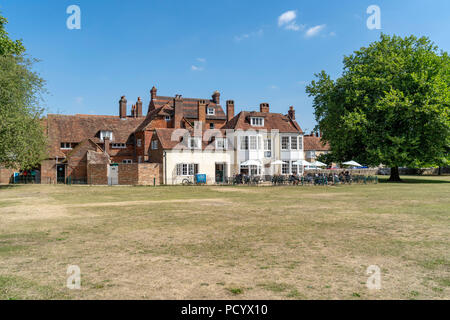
(278, 163)
(302, 163)
(318, 164)
(352, 163)
(251, 163)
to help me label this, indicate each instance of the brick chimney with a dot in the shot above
(107, 145)
(216, 97)
(230, 110)
(178, 103)
(264, 107)
(291, 112)
(202, 111)
(138, 107)
(133, 111)
(123, 108)
(153, 93)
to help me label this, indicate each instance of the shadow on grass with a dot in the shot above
(10, 186)
(417, 179)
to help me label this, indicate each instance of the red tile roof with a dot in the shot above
(77, 128)
(272, 121)
(190, 107)
(170, 138)
(313, 143)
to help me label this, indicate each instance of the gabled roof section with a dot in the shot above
(272, 121)
(313, 143)
(77, 128)
(190, 107)
(82, 145)
(169, 139)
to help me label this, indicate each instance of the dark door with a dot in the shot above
(220, 172)
(61, 173)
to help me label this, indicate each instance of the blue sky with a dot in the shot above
(240, 48)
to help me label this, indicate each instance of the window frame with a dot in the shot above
(197, 144)
(244, 143)
(106, 133)
(212, 113)
(224, 143)
(186, 169)
(288, 143)
(69, 144)
(257, 121)
(118, 145)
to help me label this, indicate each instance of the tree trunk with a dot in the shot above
(395, 176)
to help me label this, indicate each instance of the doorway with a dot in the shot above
(220, 172)
(113, 175)
(61, 173)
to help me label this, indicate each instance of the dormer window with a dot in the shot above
(119, 145)
(66, 145)
(210, 111)
(221, 143)
(104, 134)
(168, 118)
(257, 121)
(194, 143)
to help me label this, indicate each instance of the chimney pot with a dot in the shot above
(291, 112)
(216, 97)
(264, 107)
(230, 110)
(106, 145)
(123, 107)
(138, 108)
(153, 92)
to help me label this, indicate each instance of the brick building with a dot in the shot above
(133, 148)
(314, 146)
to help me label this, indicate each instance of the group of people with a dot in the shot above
(296, 178)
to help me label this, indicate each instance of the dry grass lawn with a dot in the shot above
(226, 242)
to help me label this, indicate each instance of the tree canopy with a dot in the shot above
(22, 138)
(390, 105)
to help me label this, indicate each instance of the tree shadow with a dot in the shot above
(417, 180)
(8, 186)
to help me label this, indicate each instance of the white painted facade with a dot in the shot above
(205, 160)
(267, 149)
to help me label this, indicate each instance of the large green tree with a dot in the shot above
(22, 138)
(390, 105)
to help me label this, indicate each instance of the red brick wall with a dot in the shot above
(150, 173)
(140, 174)
(48, 172)
(5, 175)
(97, 174)
(128, 173)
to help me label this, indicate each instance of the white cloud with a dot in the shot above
(332, 34)
(288, 21)
(202, 60)
(244, 36)
(79, 100)
(273, 87)
(196, 68)
(314, 31)
(287, 17)
(302, 83)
